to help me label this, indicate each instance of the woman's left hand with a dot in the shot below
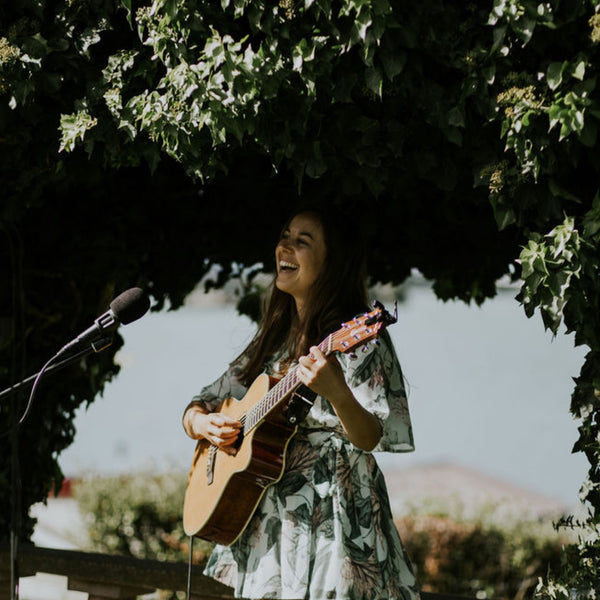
(323, 375)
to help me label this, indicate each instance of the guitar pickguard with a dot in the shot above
(210, 464)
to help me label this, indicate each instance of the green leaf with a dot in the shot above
(489, 73)
(579, 70)
(554, 74)
(362, 22)
(73, 128)
(127, 5)
(554, 113)
(374, 81)
(393, 62)
(561, 192)
(591, 220)
(456, 117)
(315, 167)
(503, 213)
(539, 265)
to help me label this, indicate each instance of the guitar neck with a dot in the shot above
(352, 334)
(280, 391)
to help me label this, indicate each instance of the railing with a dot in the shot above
(107, 577)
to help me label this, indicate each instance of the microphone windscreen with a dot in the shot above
(130, 305)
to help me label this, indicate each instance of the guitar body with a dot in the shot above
(218, 508)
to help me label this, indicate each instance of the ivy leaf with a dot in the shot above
(579, 70)
(591, 220)
(554, 74)
(127, 5)
(393, 62)
(503, 212)
(316, 166)
(73, 128)
(456, 117)
(374, 80)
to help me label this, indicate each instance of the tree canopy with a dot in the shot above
(144, 142)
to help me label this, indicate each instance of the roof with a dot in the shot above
(465, 489)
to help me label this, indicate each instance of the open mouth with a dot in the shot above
(284, 265)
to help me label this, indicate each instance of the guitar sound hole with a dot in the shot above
(238, 441)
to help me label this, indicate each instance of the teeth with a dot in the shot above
(284, 264)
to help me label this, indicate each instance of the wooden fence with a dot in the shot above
(107, 577)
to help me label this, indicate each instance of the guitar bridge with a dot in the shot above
(210, 464)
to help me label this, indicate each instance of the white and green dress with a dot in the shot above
(325, 530)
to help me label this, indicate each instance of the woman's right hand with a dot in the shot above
(217, 428)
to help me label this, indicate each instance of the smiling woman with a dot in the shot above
(324, 528)
(300, 255)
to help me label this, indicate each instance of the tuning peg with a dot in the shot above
(352, 356)
(376, 342)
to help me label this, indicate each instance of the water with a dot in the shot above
(490, 390)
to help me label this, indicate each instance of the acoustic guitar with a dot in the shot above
(224, 490)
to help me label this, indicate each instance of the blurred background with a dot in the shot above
(475, 504)
(489, 392)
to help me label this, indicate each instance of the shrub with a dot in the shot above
(138, 515)
(481, 556)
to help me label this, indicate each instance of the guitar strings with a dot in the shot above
(285, 385)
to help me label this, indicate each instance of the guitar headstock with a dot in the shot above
(363, 328)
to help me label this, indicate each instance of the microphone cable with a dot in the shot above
(125, 308)
(189, 578)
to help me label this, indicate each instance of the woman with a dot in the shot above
(325, 529)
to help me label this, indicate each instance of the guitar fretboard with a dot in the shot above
(281, 390)
(350, 335)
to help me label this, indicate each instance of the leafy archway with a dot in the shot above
(464, 135)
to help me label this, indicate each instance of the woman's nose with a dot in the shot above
(285, 243)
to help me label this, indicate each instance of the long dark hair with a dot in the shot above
(338, 294)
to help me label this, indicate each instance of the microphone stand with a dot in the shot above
(15, 424)
(96, 347)
(15, 501)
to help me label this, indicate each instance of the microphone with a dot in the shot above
(125, 308)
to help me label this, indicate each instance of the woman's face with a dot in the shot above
(300, 256)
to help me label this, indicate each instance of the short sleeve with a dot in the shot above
(376, 380)
(226, 386)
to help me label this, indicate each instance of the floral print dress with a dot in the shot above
(325, 529)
